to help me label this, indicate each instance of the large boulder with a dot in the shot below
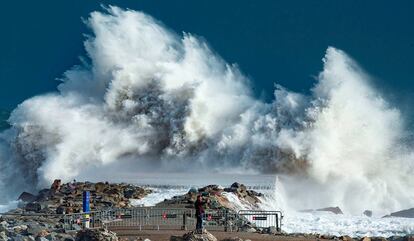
(61, 209)
(195, 236)
(3, 236)
(96, 235)
(346, 238)
(232, 239)
(33, 207)
(238, 189)
(27, 197)
(368, 213)
(3, 226)
(249, 228)
(34, 228)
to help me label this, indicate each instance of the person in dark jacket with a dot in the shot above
(199, 212)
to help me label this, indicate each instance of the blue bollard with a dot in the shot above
(86, 208)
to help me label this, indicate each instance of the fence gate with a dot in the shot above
(263, 219)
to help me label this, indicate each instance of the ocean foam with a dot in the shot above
(148, 99)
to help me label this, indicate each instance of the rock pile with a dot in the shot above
(217, 197)
(32, 228)
(241, 191)
(67, 198)
(96, 235)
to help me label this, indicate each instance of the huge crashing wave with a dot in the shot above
(151, 99)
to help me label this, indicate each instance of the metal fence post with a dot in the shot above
(184, 227)
(226, 220)
(277, 222)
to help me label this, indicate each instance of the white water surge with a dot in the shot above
(147, 99)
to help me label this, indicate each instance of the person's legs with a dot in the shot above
(199, 224)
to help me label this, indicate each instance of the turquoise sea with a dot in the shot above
(4, 115)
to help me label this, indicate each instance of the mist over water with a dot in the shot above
(149, 99)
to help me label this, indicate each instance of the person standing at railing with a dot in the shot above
(199, 207)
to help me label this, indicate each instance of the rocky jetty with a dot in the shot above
(67, 198)
(335, 210)
(407, 213)
(217, 196)
(38, 218)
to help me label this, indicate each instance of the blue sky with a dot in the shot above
(272, 41)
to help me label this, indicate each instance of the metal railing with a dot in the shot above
(151, 218)
(139, 218)
(163, 218)
(186, 187)
(142, 218)
(262, 219)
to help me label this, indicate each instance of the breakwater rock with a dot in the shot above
(67, 198)
(218, 197)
